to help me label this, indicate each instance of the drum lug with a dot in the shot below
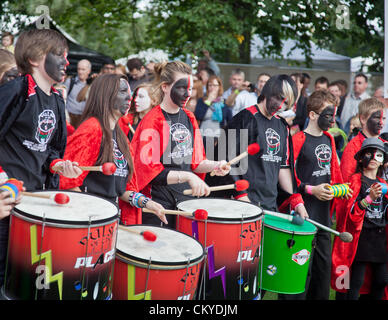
(291, 242)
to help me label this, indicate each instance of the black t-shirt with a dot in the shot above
(262, 169)
(130, 134)
(26, 146)
(313, 168)
(177, 156)
(109, 186)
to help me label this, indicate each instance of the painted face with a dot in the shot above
(55, 66)
(142, 100)
(9, 75)
(181, 91)
(327, 118)
(372, 154)
(375, 122)
(275, 104)
(123, 98)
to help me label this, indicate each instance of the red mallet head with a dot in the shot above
(61, 198)
(108, 168)
(149, 236)
(200, 214)
(241, 185)
(253, 148)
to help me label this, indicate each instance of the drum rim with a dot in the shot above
(227, 220)
(57, 222)
(142, 262)
(289, 231)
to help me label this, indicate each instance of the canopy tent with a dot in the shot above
(77, 52)
(321, 58)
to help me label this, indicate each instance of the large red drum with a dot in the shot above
(63, 252)
(231, 236)
(166, 269)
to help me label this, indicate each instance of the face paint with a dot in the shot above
(372, 154)
(123, 98)
(142, 100)
(55, 66)
(181, 91)
(274, 104)
(327, 118)
(375, 122)
(379, 156)
(9, 75)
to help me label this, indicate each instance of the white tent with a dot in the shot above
(321, 58)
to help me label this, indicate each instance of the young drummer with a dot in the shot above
(316, 168)
(366, 219)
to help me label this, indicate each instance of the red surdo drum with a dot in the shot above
(231, 236)
(165, 269)
(61, 251)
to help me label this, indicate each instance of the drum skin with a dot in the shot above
(286, 255)
(233, 249)
(55, 261)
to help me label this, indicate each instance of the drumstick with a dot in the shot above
(294, 219)
(344, 236)
(60, 198)
(147, 235)
(251, 150)
(199, 214)
(107, 168)
(131, 128)
(240, 185)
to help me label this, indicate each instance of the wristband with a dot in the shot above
(208, 102)
(368, 199)
(309, 189)
(53, 163)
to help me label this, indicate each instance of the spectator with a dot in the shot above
(355, 126)
(352, 100)
(343, 85)
(138, 73)
(120, 69)
(306, 82)
(8, 69)
(301, 103)
(322, 83)
(73, 86)
(196, 93)
(204, 76)
(208, 62)
(236, 80)
(335, 89)
(109, 66)
(7, 42)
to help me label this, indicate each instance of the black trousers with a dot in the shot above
(4, 231)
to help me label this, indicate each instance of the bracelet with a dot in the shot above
(368, 199)
(144, 203)
(364, 203)
(179, 177)
(309, 189)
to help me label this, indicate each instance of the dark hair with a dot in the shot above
(360, 168)
(263, 74)
(361, 75)
(322, 80)
(134, 63)
(102, 96)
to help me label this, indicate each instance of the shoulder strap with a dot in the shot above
(72, 81)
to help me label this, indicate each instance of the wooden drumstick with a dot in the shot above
(251, 150)
(199, 214)
(60, 198)
(240, 185)
(147, 235)
(131, 128)
(107, 168)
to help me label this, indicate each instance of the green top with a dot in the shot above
(286, 226)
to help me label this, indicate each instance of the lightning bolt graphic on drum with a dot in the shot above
(36, 257)
(131, 287)
(220, 272)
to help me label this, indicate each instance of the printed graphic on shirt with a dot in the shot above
(273, 146)
(119, 160)
(375, 210)
(182, 139)
(323, 154)
(44, 131)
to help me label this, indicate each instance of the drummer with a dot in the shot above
(98, 140)
(168, 150)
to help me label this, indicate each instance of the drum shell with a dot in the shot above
(285, 264)
(70, 262)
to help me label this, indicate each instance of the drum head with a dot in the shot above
(223, 209)
(81, 209)
(170, 247)
(286, 226)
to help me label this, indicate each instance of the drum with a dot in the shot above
(63, 252)
(231, 236)
(165, 269)
(286, 252)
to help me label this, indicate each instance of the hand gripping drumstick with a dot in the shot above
(251, 150)
(240, 185)
(107, 168)
(199, 214)
(60, 198)
(344, 236)
(147, 235)
(294, 219)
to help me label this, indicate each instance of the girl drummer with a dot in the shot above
(168, 147)
(99, 139)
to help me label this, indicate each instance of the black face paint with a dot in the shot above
(366, 158)
(327, 118)
(274, 104)
(55, 66)
(123, 98)
(375, 122)
(180, 92)
(9, 75)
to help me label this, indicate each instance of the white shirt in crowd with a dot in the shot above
(351, 106)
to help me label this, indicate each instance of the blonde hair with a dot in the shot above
(366, 106)
(288, 94)
(7, 61)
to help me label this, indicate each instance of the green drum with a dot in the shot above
(285, 256)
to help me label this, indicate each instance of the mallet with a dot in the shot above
(240, 185)
(59, 198)
(199, 214)
(251, 150)
(147, 235)
(344, 236)
(294, 219)
(107, 168)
